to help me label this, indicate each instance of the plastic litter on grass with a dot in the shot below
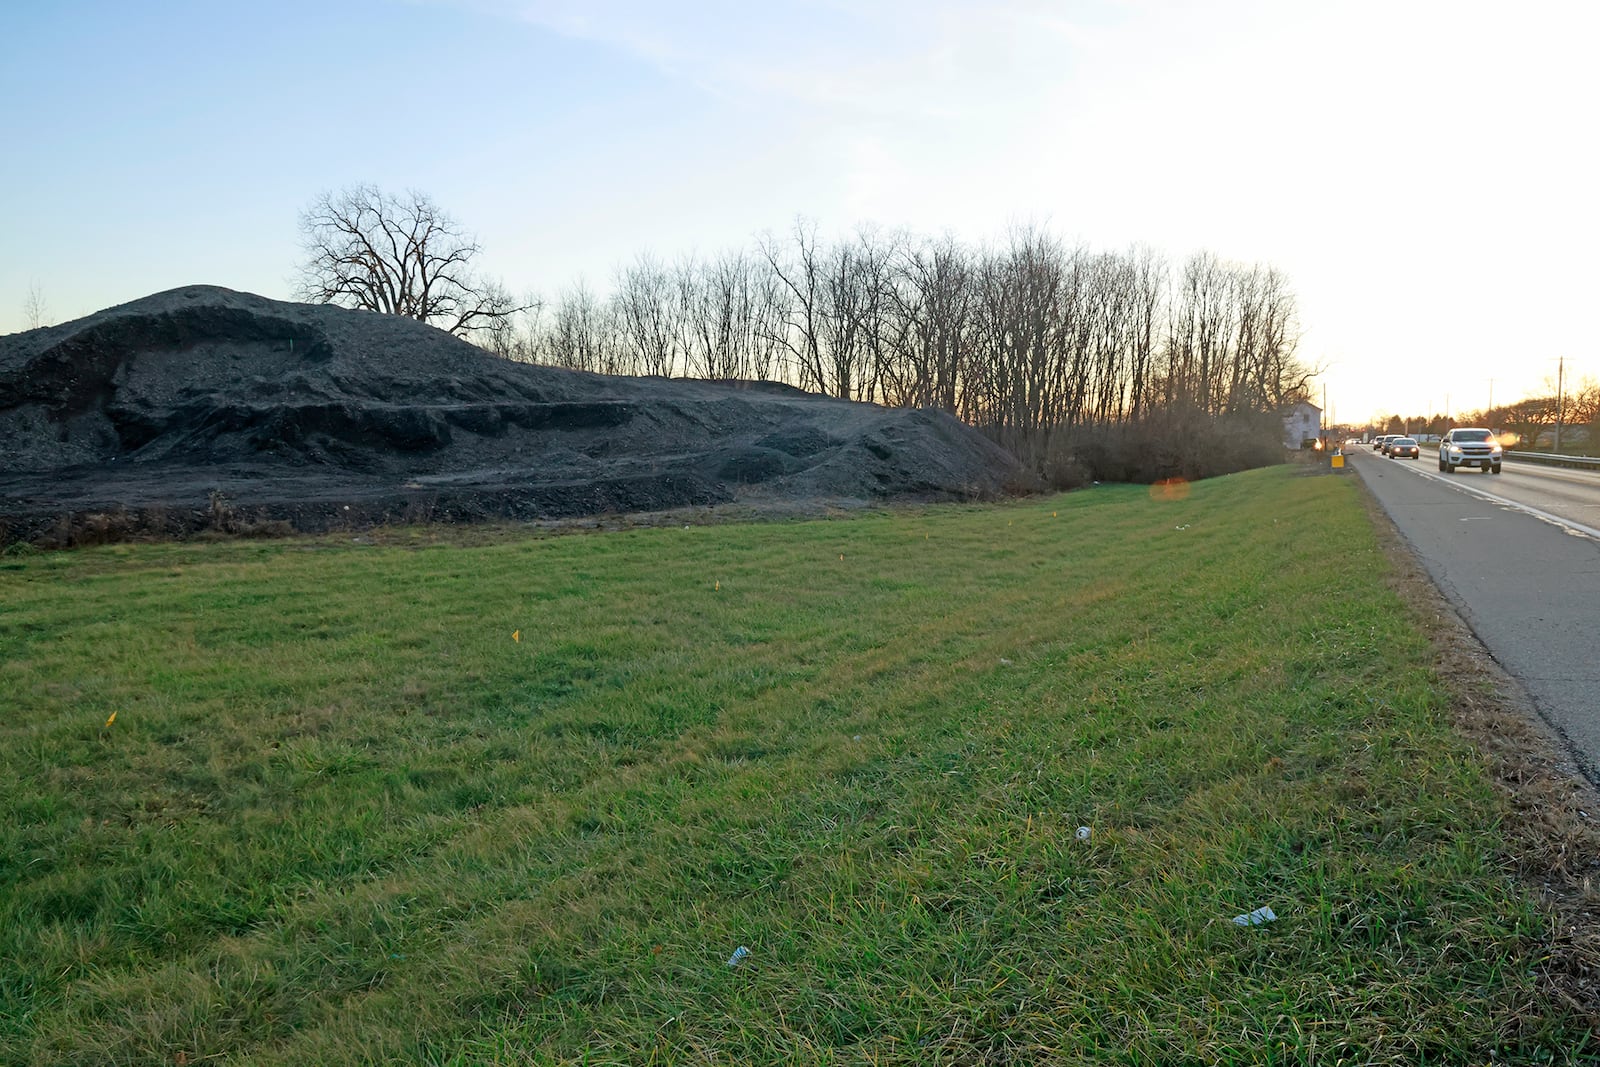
(1256, 918)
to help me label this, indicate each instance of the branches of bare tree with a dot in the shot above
(399, 255)
(649, 317)
(585, 334)
(731, 308)
(1231, 338)
(517, 337)
(1583, 402)
(1023, 312)
(929, 322)
(35, 310)
(800, 274)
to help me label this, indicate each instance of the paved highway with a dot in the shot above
(1518, 553)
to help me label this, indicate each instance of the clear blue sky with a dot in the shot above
(1424, 170)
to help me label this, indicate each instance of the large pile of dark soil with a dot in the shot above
(206, 407)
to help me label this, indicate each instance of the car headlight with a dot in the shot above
(1494, 449)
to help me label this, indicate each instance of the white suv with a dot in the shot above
(1469, 447)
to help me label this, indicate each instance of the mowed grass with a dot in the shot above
(342, 816)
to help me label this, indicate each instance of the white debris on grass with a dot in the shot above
(1255, 918)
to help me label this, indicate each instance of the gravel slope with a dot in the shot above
(197, 402)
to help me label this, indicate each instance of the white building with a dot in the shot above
(1301, 423)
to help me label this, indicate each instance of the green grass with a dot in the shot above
(343, 817)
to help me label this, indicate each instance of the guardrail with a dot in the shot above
(1548, 460)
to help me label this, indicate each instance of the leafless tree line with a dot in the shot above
(1026, 338)
(1022, 337)
(1529, 420)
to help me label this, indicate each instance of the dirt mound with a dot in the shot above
(201, 406)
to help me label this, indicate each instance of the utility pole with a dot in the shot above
(1323, 415)
(1561, 366)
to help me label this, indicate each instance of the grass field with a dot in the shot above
(519, 800)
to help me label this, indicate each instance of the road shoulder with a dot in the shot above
(1552, 838)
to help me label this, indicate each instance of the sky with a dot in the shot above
(1424, 171)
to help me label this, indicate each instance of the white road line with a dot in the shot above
(1527, 509)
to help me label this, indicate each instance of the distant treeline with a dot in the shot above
(1531, 422)
(1083, 363)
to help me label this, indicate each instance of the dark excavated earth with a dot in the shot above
(202, 407)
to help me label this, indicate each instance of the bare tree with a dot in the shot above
(862, 279)
(1281, 378)
(801, 277)
(400, 255)
(516, 337)
(927, 325)
(1025, 339)
(1201, 335)
(584, 334)
(731, 309)
(649, 317)
(1231, 339)
(35, 312)
(1583, 406)
(766, 301)
(834, 311)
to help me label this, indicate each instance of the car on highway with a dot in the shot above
(1470, 446)
(1404, 448)
(1379, 441)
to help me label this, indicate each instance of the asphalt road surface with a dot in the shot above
(1518, 553)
